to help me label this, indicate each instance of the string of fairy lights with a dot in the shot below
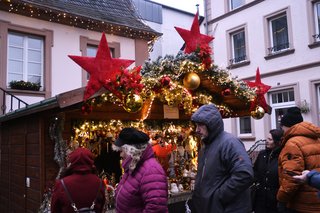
(88, 132)
(164, 79)
(54, 15)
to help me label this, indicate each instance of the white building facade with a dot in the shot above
(282, 39)
(163, 19)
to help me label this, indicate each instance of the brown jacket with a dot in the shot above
(301, 150)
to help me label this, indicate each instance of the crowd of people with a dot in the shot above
(286, 174)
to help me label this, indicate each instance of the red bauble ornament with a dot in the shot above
(86, 108)
(226, 92)
(165, 81)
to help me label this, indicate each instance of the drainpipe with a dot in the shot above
(205, 15)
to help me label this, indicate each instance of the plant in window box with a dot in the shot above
(304, 106)
(23, 85)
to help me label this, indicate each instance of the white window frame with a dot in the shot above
(271, 32)
(25, 61)
(233, 61)
(239, 127)
(92, 47)
(231, 4)
(316, 21)
(276, 106)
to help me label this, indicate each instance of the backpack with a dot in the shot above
(84, 209)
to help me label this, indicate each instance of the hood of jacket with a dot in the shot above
(211, 117)
(304, 129)
(81, 160)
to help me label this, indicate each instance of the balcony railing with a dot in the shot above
(13, 103)
(238, 59)
(316, 37)
(254, 150)
(278, 48)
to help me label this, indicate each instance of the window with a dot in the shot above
(238, 46)
(27, 55)
(92, 52)
(280, 102)
(89, 48)
(25, 58)
(245, 126)
(279, 34)
(234, 4)
(149, 11)
(316, 36)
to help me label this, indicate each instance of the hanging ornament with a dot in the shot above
(191, 81)
(165, 81)
(133, 103)
(86, 108)
(258, 113)
(226, 92)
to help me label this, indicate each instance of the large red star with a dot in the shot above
(102, 68)
(261, 89)
(193, 38)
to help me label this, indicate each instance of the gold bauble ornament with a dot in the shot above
(258, 113)
(191, 81)
(133, 103)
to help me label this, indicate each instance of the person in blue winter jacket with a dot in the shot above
(225, 170)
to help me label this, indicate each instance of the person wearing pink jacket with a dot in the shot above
(143, 187)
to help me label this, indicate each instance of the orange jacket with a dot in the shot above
(301, 151)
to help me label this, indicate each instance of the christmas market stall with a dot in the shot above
(158, 98)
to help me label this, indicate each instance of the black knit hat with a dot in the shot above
(131, 136)
(292, 117)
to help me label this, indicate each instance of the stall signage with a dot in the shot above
(170, 112)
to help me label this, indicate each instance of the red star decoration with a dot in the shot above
(193, 38)
(261, 89)
(103, 69)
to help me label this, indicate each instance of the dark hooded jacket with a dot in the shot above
(81, 182)
(225, 170)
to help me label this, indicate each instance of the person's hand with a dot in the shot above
(301, 178)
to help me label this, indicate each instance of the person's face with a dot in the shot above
(123, 154)
(202, 130)
(269, 142)
(159, 141)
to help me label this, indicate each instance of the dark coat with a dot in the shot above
(267, 180)
(225, 170)
(109, 162)
(145, 189)
(82, 184)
